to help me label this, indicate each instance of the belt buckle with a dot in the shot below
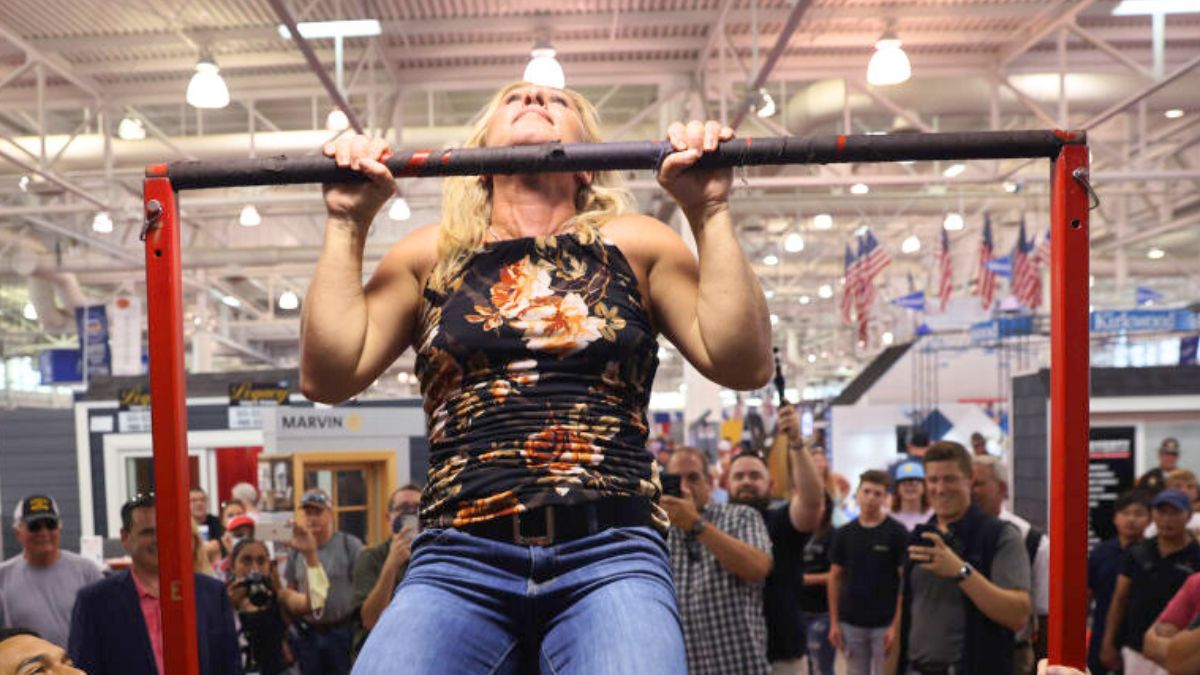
(545, 539)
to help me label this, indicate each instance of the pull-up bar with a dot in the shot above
(1069, 371)
(628, 156)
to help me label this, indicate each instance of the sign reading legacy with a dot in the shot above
(247, 400)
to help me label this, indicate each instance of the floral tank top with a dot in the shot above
(536, 365)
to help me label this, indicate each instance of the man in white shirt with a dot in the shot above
(990, 491)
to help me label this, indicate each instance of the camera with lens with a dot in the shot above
(258, 589)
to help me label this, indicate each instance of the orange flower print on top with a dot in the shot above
(520, 285)
(559, 326)
(561, 449)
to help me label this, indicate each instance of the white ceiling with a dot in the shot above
(70, 69)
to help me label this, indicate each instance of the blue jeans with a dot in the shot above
(601, 605)
(326, 653)
(816, 638)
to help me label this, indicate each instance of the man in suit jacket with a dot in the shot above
(116, 626)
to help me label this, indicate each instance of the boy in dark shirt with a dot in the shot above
(1131, 515)
(864, 580)
(1152, 572)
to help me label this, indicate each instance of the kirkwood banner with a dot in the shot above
(1143, 321)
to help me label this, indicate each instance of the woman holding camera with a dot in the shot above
(260, 599)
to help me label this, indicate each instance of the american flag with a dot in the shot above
(946, 272)
(1026, 272)
(1043, 249)
(850, 289)
(986, 288)
(872, 260)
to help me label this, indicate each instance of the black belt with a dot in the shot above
(556, 524)
(933, 668)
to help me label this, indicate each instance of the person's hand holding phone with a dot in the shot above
(935, 557)
(305, 543)
(681, 511)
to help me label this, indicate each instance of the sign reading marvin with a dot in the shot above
(311, 422)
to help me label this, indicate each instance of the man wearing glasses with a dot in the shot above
(38, 587)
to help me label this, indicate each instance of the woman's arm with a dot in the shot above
(1183, 656)
(713, 308)
(349, 334)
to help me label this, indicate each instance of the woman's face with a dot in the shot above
(530, 114)
(252, 558)
(910, 489)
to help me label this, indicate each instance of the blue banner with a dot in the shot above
(60, 366)
(987, 331)
(914, 301)
(1143, 321)
(1187, 350)
(92, 323)
(1002, 266)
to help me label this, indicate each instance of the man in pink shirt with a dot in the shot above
(116, 626)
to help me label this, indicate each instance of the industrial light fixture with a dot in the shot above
(774, 319)
(310, 30)
(910, 245)
(859, 189)
(1143, 7)
(131, 129)
(207, 88)
(102, 223)
(812, 358)
(336, 120)
(249, 216)
(1011, 187)
(399, 209)
(770, 259)
(23, 182)
(29, 311)
(288, 300)
(544, 69)
(793, 243)
(889, 64)
(954, 170)
(766, 107)
(825, 291)
(887, 338)
(822, 221)
(1173, 114)
(231, 301)
(804, 299)
(953, 222)
(1155, 253)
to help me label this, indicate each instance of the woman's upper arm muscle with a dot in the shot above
(392, 297)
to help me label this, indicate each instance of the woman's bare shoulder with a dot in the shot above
(644, 238)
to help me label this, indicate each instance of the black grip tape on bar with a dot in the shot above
(626, 156)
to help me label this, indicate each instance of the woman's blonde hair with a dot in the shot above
(467, 200)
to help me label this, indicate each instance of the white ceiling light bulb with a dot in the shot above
(822, 221)
(889, 64)
(399, 209)
(231, 301)
(249, 216)
(336, 120)
(23, 183)
(774, 319)
(793, 243)
(1173, 114)
(102, 223)
(288, 300)
(812, 358)
(544, 69)
(770, 259)
(29, 312)
(207, 88)
(1155, 253)
(860, 189)
(954, 170)
(825, 291)
(804, 299)
(888, 338)
(767, 107)
(1011, 187)
(953, 222)
(131, 129)
(911, 245)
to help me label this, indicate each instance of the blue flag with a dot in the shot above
(1001, 266)
(915, 301)
(1148, 296)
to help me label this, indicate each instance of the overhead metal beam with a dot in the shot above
(1117, 55)
(891, 105)
(1039, 29)
(55, 64)
(335, 94)
(1140, 95)
(781, 42)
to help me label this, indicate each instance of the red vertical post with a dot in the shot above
(168, 413)
(1069, 399)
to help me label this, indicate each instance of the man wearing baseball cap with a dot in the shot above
(1153, 570)
(324, 638)
(1168, 459)
(38, 587)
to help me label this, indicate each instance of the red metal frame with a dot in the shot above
(1069, 399)
(168, 412)
(1069, 396)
